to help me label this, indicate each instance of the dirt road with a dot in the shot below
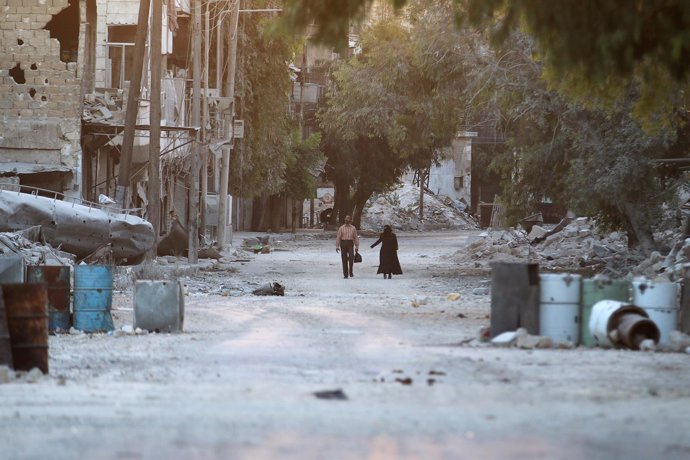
(239, 382)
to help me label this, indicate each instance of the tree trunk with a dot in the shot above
(261, 213)
(341, 200)
(639, 231)
(359, 201)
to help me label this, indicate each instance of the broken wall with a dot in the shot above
(452, 176)
(40, 95)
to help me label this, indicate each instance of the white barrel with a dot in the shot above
(560, 288)
(661, 301)
(159, 306)
(559, 306)
(600, 321)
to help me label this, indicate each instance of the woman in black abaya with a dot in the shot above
(388, 256)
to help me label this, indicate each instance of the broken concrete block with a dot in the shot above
(480, 291)
(505, 339)
(678, 341)
(648, 345)
(6, 374)
(529, 342)
(536, 232)
(484, 333)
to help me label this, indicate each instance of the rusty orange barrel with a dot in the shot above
(27, 320)
(57, 281)
(5, 344)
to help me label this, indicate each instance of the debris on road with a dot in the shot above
(400, 209)
(270, 289)
(338, 395)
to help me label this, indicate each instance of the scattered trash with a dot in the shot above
(404, 381)
(331, 395)
(270, 289)
(453, 296)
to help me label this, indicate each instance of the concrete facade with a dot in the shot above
(40, 95)
(453, 176)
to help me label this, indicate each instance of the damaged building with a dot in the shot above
(41, 76)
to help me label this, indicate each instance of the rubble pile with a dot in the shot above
(27, 244)
(573, 245)
(400, 209)
(103, 107)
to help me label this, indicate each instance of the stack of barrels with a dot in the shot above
(35, 301)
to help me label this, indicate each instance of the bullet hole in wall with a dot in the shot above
(18, 74)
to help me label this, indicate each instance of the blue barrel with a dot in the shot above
(93, 298)
(57, 281)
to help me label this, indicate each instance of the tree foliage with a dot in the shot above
(396, 104)
(596, 38)
(597, 162)
(263, 89)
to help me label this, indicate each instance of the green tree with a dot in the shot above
(597, 162)
(402, 96)
(258, 164)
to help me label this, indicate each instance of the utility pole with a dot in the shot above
(204, 149)
(132, 104)
(302, 128)
(230, 93)
(154, 187)
(193, 217)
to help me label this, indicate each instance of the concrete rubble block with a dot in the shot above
(505, 339)
(536, 232)
(529, 342)
(6, 374)
(678, 341)
(481, 291)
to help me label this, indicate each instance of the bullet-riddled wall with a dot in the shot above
(40, 95)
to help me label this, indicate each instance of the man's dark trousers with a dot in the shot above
(347, 255)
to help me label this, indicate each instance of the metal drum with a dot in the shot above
(5, 344)
(57, 281)
(27, 320)
(559, 306)
(594, 290)
(661, 301)
(93, 298)
(159, 306)
(11, 269)
(619, 324)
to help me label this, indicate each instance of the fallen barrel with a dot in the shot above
(594, 290)
(615, 323)
(93, 298)
(27, 320)
(57, 281)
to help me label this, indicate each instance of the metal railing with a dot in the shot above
(58, 196)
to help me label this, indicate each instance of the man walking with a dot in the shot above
(348, 241)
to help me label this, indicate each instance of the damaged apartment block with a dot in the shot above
(40, 94)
